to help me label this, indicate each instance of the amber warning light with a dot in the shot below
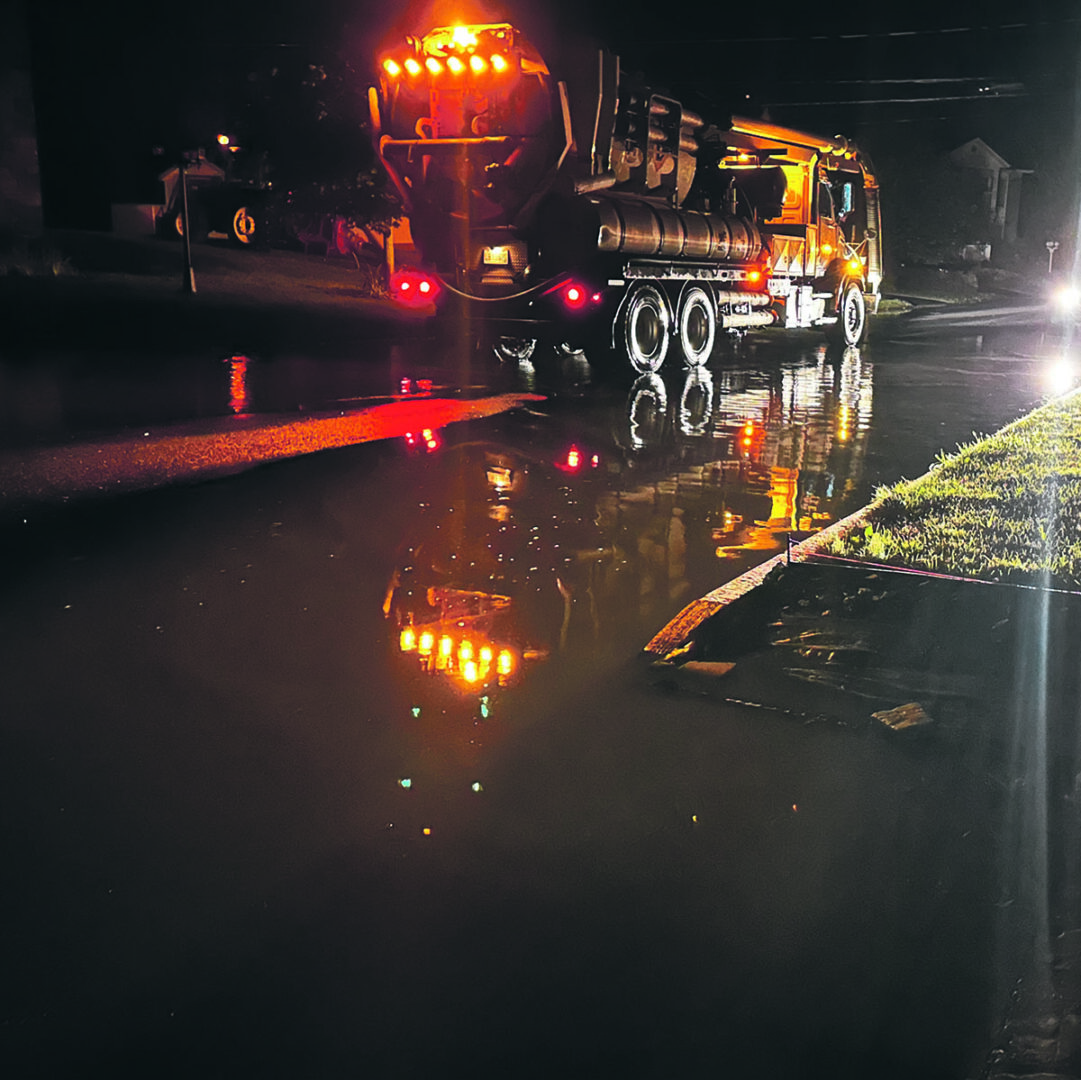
(457, 51)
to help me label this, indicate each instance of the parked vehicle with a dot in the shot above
(577, 196)
(223, 203)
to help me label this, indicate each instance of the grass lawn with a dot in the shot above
(1005, 508)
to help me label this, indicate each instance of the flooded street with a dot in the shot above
(349, 765)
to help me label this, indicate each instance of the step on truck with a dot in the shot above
(577, 200)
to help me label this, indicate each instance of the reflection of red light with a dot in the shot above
(429, 437)
(754, 275)
(749, 434)
(574, 459)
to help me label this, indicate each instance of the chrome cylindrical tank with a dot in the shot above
(630, 227)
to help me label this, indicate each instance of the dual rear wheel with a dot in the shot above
(646, 327)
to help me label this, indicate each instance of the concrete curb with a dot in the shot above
(698, 611)
(679, 629)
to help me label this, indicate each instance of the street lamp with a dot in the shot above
(1052, 247)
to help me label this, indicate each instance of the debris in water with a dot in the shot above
(713, 669)
(886, 682)
(903, 718)
(823, 639)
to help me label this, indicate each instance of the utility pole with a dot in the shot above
(188, 284)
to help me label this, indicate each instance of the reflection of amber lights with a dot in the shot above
(844, 419)
(433, 65)
(499, 477)
(238, 384)
(412, 66)
(498, 63)
(476, 63)
(463, 659)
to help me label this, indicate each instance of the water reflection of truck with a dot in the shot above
(514, 558)
(578, 195)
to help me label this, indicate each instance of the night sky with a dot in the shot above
(113, 82)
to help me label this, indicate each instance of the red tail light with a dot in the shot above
(413, 287)
(574, 296)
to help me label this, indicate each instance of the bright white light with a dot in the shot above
(1067, 298)
(1061, 376)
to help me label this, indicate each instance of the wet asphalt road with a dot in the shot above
(251, 829)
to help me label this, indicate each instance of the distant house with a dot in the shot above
(1003, 185)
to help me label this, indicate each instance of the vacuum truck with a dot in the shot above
(582, 199)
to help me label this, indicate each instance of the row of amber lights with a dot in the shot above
(461, 42)
(473, 663)
(456, 65)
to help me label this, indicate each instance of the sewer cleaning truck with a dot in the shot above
(577, 197)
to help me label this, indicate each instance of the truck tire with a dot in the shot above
(697, 326)
(647, 412)
(645, 329)
(851, 326)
